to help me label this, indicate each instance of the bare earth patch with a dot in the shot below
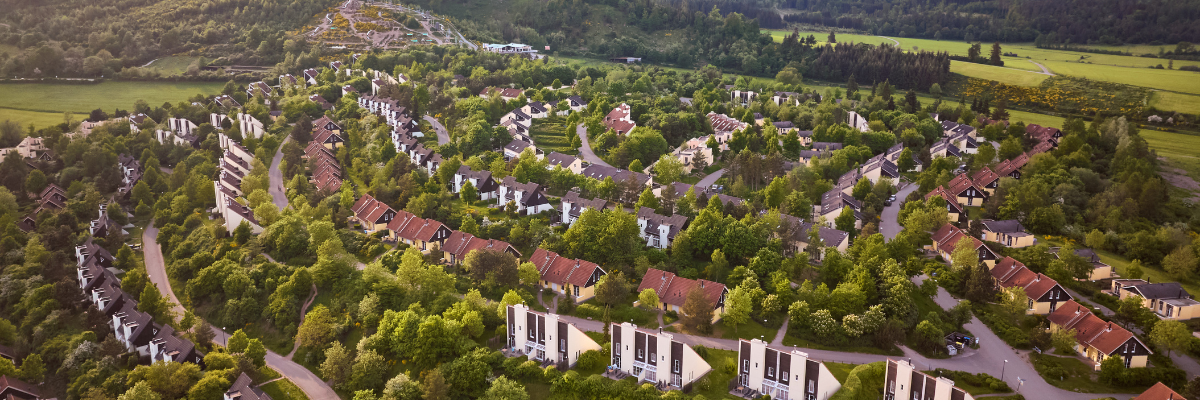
(1178, 178)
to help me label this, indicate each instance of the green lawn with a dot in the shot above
(172, 65)
(1071, 373)
(1001, 74)
(550, 134)
(1173, 101)
(1180, 149)
(38, 119)
(82, 98)
(1164, 79)
(715, 385)
(284, 389)
(840, 370)
(752, 330)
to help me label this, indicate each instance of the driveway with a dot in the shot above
(276, 189)
(709, 180)
(888, 224)
(443, 136)
(314, 387)
(586, 150)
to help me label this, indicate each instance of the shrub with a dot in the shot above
(865, 382)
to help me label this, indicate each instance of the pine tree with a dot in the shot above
(1001, 111)
(832, 37)
(851, 86)
(995, 59)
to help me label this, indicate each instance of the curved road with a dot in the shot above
(314, 387)
(712, 178)
(442, 135)
(888, 224)
(1043, 67)
(276, 188)
(586, 150)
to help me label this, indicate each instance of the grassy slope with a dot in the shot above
(1180, 102)
(550, 135)
(1179, 149)
(173, 65)
(1003, 74)
(35, 102)
(284, 389)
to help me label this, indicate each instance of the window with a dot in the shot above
(577, 291)
(641, 354)
(677, 366)
(653, 356)
(770, 372)
(745, 365)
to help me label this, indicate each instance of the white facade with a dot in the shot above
(902, 381)
(857, 121)
(783, 374)
(655, 357)
(250, 126)
(544, 336)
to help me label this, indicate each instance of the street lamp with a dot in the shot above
(1002, 367)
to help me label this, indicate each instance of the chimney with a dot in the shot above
(1109, 328)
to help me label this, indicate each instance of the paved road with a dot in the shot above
(888, 224)
(586, 150)
(442, 135)
(278, 195)
(1043, 67)
(314, 387)
(711, 178)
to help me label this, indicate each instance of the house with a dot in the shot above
(131, 173)
(673, 291)
(325, 104)
(330, 139)
(1043, 293)
(806, 137)
(947, 237)
(131, 327)
(460, 244)
(535, 110)
(1011, 168)
(567, 162)
(688, 154)
(1100, 270)
(742, 97)
(226, 102)
(625, 60)
(506, 94)
(894, 152)
(137, 120)
(166, 347)
(12, 388)
(328, 180)
(1043, 133)
(966, 143)
(103, 226)
(903, 381)
(533, 333)
(372, 214)
(1168, 300)
(576, 103)
(966, 191)
(858, 122)
(784, 374)
(619, 120)
(656, 357)
(513, 48)
(528, 197)
(181, 126)
(336, 66)
(602, 172)
(514, 149)
(1097, 339)
(310, 76)
(176, 138)
(832, 203)
(954, 210)
(785, 127)
(258, 88)
(485, 186)
(573, 206)
(807, 156)
(287, 81)
(517, 116)
(1009, 233)
(573, 278)
(243, 390)
(724, 126)
(250, 126)
(944, 148)
(880, 167)
(348, 90)
(426, 235)
(797, 237)
(826, 146)
(659, 230)
(986, 179)
(233, 212)
(1159, 392)
(781, 97)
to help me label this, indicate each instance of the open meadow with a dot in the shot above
(173, 65)
(43, 104)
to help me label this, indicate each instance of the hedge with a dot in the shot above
(865, 382)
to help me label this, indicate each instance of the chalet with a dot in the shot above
(774, 371)
(506, 94)
(576, 103)
(806, 137)
(954, 210)
(517, 116)
(567, 162)
(426, 235)
(132, 328)
(640, 352)
(103, 226)
(336, 66)
(659, 230)
(964, 142)
(485, 186)
(1043, 133)
(12, 388)
(528, 197)
(880, 167)
(310, 76)
(327, 124)
(903, 381)
(460, 244)
(1042, 147)
(242, 389)
(1159, 392)
(226, 102)
(131, 173)
(619, 120)
(785, 127)
(328, 138)
(1043, 293)
(986, 179)
(1168, 300)
(1012, 168)
(325, 104)
(832, 203)
(328, 181)
(573, 206)
(944, 148)
(1008, 232)
(166, 347)
(947, 237)
(258, 88)
(533, 333)
(289, 81)
(742, 97)
(54, 192)
(797, 237)
(573, 278)
(673, 291)
(514, 149)
(826, 146)
(372, 214)
(966, 191)
(1097, 339)
(535, 110)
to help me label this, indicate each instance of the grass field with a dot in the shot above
(1001, 74)
(1163, 79)
(1172, 101)
(550, 135)
(173, 65)
(34, 103)
(1179, 149)
(283, 389)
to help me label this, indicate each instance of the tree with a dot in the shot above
(669, 169)
(612, 289)
(738, 305)
(140, 391)
(237, 342)
(468, 192)
(974, 52)
(257, 353)
(435, 386)
(212, 386)
(33, 369)
(1014, 301)
(1112, 369)
(1134, 270)
(505, 389)
(1181, 263)
(35, 182)
(1063, 340)
(153, 303)
(995, 59)
(636, 166)
(337, 365)
(648, 298)
(647, 199)
(492, 267)
(832, 37)
(368, 370)
(789, 76)
(317, 329)
(697, 311)
(1171, 335)
(528, 274)
(1131, 311)
(846, 220)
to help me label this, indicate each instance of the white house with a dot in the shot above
(527, 196)
(250, 126)
(783, 374)
(654, 356)
(659, 230)
(545, 337)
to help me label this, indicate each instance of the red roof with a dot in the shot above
(326, 136)
(1008, 166)
(461, 243)
(368, 209)
(985, 177)
(673, 290)
(1011, 273)
(1090, 330)
(410, 227)
(562, 270)
(948, 235)
(1159, 392)
(8, 383)
(328, 181)
(960, 184)
(951, 200)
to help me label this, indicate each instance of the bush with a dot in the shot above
(978, 380)
(865, 382)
